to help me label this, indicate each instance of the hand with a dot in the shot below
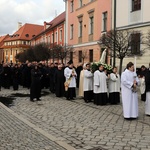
(134, 82)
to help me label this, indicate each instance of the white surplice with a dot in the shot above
(114, 83)
(67, 73)
(88, 81)
(100, 84)
(129, 98)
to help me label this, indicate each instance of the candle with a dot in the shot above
(135, 64)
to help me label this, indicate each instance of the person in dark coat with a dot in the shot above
(59, 81)
(27, 75)
(51, 77)
(78, 70)
(35, 90)
(6, 76)
(1, 71)
(15, 77)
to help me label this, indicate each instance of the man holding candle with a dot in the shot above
(129, 83)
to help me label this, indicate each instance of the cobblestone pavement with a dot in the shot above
(16, 135)
(83, 126)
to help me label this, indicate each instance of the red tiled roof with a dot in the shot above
(54, 22)
(26, 32)
(2, 38)
(57, 20)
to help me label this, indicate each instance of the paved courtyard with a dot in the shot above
(60, 124)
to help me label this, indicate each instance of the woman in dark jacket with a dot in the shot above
(35, 90)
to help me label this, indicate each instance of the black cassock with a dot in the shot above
(35, 90)
(59, 83)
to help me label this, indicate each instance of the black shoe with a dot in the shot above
(31, 100)
(38, 99)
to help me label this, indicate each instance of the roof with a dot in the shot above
(26, 32)
(2, 38)
(56, 21)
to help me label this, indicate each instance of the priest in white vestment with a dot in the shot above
(129, 83)
(81, 82)
(147, 102)
(88, 84)
(70, 74)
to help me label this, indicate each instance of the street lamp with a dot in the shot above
(114, 54)
(65, 26)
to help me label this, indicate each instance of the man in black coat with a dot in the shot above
(59, 82)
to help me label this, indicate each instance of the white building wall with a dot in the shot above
(136, 20)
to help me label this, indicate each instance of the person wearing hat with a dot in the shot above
(70, 75)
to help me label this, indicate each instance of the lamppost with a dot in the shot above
(65, 27)
(114, 46)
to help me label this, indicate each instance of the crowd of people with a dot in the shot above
(99, 87)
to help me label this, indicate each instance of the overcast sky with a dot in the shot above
(27, 11)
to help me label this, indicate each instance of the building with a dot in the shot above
(133, 15)
(53, 33)
(2, 38)
(19, 41)
(86, 21)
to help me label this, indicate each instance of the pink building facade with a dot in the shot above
(86, 21)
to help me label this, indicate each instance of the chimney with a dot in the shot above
(19, 25)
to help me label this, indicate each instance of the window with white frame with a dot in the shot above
(80, 3)
(135, 42)
(104, 21)
(80, 56)
(91, 55)
(91, 24)
(136, 5)
(60, 34)
(80, 28)
(52, 38)
(71, 31)
(56, 37)
(72, 6)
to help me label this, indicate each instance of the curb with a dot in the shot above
(49, 136)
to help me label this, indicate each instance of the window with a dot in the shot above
(80, 3)
(104, 25)
(52, 38)
(135, 43)
(80, 56)
(91, 55)
(80, 28)
(136, 5)
(60, 35)
(91, 24)
(56, 37)
(49, 40)
(71, 55)
(71, 6)
(71, 31)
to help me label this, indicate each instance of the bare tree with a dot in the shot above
(121, 43)
(146, 41)
(82, 54)
(62, 52)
